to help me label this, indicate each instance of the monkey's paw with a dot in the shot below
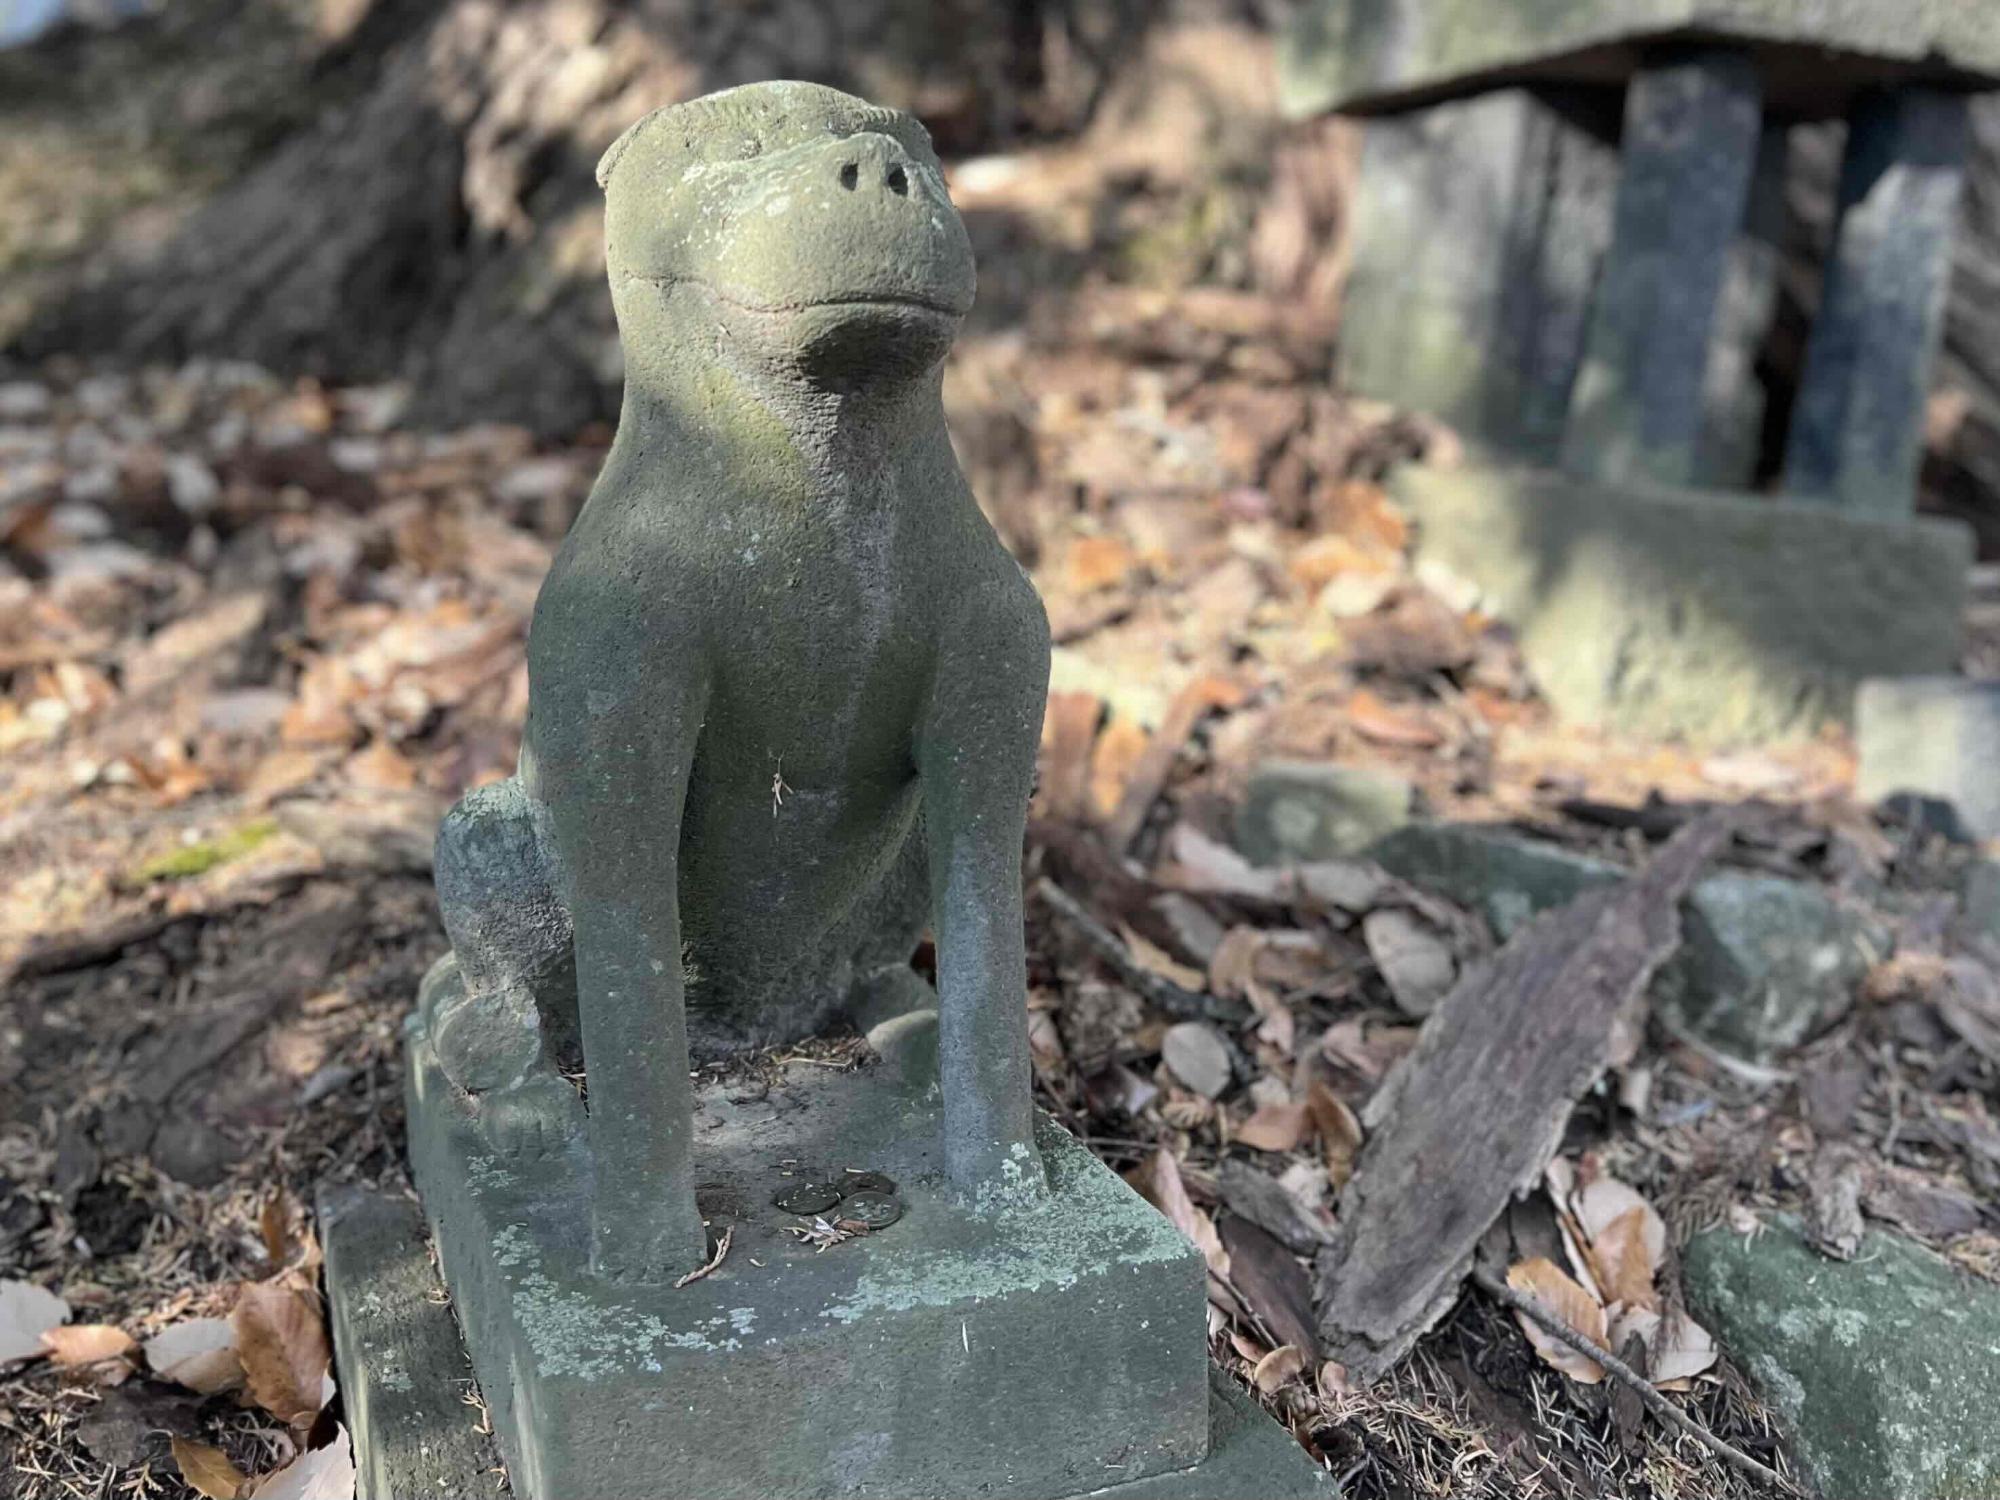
(536, 1117)
(647, 1248)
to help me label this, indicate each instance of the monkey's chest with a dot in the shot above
(820, 693)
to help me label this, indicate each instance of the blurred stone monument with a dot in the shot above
(785, 694)
(1567, 245)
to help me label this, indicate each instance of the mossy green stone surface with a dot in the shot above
(1379, 54)
(1712, 617)
(1038, 1351)
(1887, 1366)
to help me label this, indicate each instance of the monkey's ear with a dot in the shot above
(608, 162)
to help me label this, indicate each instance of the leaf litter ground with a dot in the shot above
(254, 636)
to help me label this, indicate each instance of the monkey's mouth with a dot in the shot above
(859, 302)
(884, 301)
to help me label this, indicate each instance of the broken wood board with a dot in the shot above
(1475, 1112)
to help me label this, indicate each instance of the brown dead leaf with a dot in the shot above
(207, 1470)
(1201, 864)
(382, 768)
(1621, 1263)
(1158, 1181)
(1069, 729)
(1391, 724)
(1156, 960)
(1275, 1127)
(1120, 747)
(281, 1339)
(274, 1225)
(1545, 1281)
(1282, 1364)
(103, 1350)
(1339, 1131)
(1097, 562)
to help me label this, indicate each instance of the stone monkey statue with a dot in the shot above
(785, 684)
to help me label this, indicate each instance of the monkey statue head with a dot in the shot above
(806, 231)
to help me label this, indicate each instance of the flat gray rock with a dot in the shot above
(1764, 964)
(1885, 1366)
(1303, 812)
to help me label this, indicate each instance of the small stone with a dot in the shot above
(1196, 1054)
(1415, 960)
(1884, 1366)
(1505, 878)
(1929, 745)
(1765, 963)
(24, 400)
(191, 484)
(1298, 812)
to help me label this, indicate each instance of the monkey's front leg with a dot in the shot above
(976, 763)
(615, 774)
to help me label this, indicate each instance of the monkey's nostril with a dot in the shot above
(850, 176)
(898, 181)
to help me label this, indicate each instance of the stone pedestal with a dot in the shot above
(1689, 149)
(1708, 616)
(1933, 743)
(1050, 1352)
(1481, 232)
(1857, 426)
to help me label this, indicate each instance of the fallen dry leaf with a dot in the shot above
(1391, 724)
(1546, 1282)
(98, 1347)
(1622, 1263)
(1156, 960)
(199, 1354)
(1121, 745)
(1202, 864)
(1280, 1365)
(26, 1313)
(281, 1339)
(1275, 1127)
(1339, 1131)
(1681, 1349)
(1158, 1181)
(325, 1473)
(207, 1470)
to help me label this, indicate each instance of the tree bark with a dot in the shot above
(395, 188)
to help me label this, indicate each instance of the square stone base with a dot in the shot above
(1041, 1353)
(1709, 616)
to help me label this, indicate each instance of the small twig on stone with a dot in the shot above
(1161, 991)
(1615, 1367)
(721, 1249)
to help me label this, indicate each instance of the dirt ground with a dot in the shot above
(255, 636)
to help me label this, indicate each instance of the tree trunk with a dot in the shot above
(373, 188)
